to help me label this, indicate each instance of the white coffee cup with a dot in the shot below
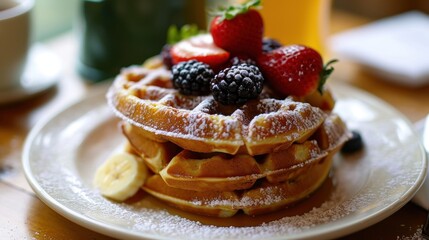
(14, 40)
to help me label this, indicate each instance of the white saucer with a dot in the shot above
(41, 72)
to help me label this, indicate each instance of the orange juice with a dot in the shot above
(292, 21)
(297, 21)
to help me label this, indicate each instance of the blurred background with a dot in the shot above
(377, 9)
(52, 17)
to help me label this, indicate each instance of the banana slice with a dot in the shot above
(120, 176)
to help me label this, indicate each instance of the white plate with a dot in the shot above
(62, 153)
(42, 71)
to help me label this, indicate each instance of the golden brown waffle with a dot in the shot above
(254, 185)
(185, 169)
(262, 197)
(145, 98)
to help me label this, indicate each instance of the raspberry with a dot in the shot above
(192, 77)
(269, 44)
(166, 56)
(237, 84)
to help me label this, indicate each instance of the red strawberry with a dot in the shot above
(239, 30)
(200, 48)
(295, 70)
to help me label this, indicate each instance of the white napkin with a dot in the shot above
(422, 196)
(395, 48)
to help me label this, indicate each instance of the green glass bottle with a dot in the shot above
(119, 33)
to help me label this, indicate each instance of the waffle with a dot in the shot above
(278, 183)
(145, 98)
(267, 153)
(190, 170)
(241, 182)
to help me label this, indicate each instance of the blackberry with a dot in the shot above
(240, 60)
(269, 44)
(192, 77)
(237, 84)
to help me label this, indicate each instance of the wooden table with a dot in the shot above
(24, 216)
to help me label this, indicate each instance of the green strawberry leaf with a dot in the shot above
(172, 34)
(326, 72)
(232, 11)
(175, 34)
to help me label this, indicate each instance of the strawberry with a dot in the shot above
(295, 70)
(175, 35)
(239, 30)
(200, 48)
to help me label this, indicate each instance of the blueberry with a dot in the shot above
(354, 144)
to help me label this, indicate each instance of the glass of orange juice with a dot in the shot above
(296, 21)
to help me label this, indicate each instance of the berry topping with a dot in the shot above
(295, 70)
(200, 48)
(239, 29)
(269, 44)
(353, 144)
(237, 84)
(192, 77)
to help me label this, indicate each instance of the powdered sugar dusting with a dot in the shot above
(197, 124)
(268, 198)
(294, 119)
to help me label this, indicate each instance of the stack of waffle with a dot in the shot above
(216, 160)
